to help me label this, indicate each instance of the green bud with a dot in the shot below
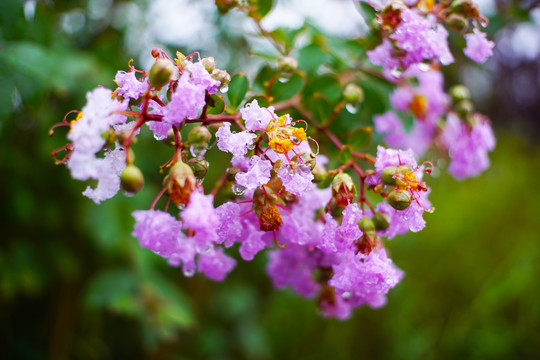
(319, 174)
(199, 166)
(366, 225)
(231, 174)
(459, 93)
(343, 189)
(399, 199)
(457, 23)
(353, 94)
(287, 64)
(381, 221)
(209, 63)
(464, 108)
(388, 173)
(199, 135)
(214, 127)
(162, 72)
(222, 76)
(131, 180)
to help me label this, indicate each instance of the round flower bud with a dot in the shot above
(464, 108)
(180, 182)
(162, 72)
(388, 173)
(287, 64)
(209, 63)
(199, 166)
(457, 23)
(319, 174)
(366, 225)
(353, 94)
(222, 76)
(224, 6)
(131, 180)
(199, 135)
(381, 221)
(343, 189)
(231, 174)
(399, 199)
(459, 93)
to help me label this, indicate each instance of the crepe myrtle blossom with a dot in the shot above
(468, 145)
(478, 48)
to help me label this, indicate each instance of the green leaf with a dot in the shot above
(216, 105)
(261, 7)
(238, 88)
(286, 90)
(263, 77)
(261, 100)
(311, 57)
(368, 12)
(361, 137)
(345, 154)
(320, 108)
(327, 85)
(110, 288)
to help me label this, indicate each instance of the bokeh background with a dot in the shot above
(74, 283)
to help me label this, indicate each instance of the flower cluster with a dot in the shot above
(326, 237)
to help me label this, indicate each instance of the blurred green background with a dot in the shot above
(74, 283)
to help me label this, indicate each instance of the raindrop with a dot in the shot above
(181, 206)
(238, 190)
(251, 146)
(351, 108)
(346, 295)
(189, 272)
(159, 137)
(197, 150)
(224, 89)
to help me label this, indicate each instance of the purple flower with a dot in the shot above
(109, 170)
(365, 279)
(186, 101)
(215, 264)
(229, 228)
(258, 174)
(252, 243)
(478, 48)
(349, 229)
(296, 181)
(468, 148)
(200, 216)
(257, 117)
(382, 56)
(157, 231)
(234, 143)
(198, 75)
(129, 87)
(293, 266)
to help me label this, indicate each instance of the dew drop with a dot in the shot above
(351, 108)
(159, 137)
(181, 206)
(224, 89)
(251, 146)
(346, 295)
(189, 272)
(197, 150)
(238, 190)
(127, 193)
(396, 72)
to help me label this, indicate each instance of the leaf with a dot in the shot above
(345, 154)
(311, 57)
(110, 287)
(286, 90)
(237, 90)
(368, 12)
(361, 137)
(260, 7)
(327, 86)
(261, 100)
(263, 77)
(217, 106)
(320, 108)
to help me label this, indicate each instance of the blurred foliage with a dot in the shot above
(74, 284)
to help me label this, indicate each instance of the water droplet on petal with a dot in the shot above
(224, 89)
(251, 146)
(159, 137)
(189, 272)
(197, 150)
(351, 108)
(346, 295)
(181, 206)
(238, 190)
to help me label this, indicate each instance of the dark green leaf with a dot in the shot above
(311, 57)
(286, 90)
(261, 7)
(326, 85)
(263, 77)
(368, 12)
(360, 137)
(345, 154)
(217, 106)
(320, 108)
(238, 88)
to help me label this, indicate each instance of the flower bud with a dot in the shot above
(231, 174)
(162, 72)
(466, 8)
(199, 135)
(353, 94)
(457, 23)
(209, 63)
(343, 189)
(224, 6)
(319, 174)
(131, 180)
(464, 108)
(381, 221)
(399, 199)
(366, 225)
(287, 64)
(199, 166)
(221, 76)
(459, 93)
(388, 173)
(180, 182)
